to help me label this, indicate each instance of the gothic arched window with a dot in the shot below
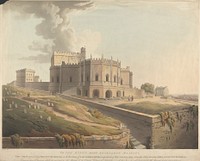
(107, 77)
(115, 78)
(121, 81)
(96, 77)
(70, 79)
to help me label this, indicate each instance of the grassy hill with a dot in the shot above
(36, 118)
(150, 107)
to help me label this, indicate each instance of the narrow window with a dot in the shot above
(96, 77)
(121, 81)
(70, 79)
(115, 78)
(57, 79)
(107, 78)
(52, 80)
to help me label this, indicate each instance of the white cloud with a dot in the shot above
(89, 39)
(54, 25)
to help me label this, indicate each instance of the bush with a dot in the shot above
(95, 113)
(16, 141)
(193, 110)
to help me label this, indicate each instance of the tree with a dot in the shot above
(148, 88)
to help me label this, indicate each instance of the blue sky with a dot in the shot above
(158, 41)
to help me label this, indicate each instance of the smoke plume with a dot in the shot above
(54, 26)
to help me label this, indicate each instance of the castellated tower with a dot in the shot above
(67, 57)
(63, 66)
(73, 74)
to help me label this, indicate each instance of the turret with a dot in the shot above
(83, 50)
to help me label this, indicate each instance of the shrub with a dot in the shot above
(16, 141)
(95, 113)
(193, 110)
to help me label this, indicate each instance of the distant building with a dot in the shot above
(27, 78)
(161, 91)
(23, 76)
(74, 74)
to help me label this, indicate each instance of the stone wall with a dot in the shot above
(98, 74)
(139, 124)
(91, 142)
(37, 85)
(138, 93)
(145, 127)
(183, 135)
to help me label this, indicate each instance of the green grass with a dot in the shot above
(102, 119)
(30, 123)
(151, 107)
(75, 110)
(16, 91)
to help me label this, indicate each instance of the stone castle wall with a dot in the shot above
(37, 85)
(67, 57)
(91, 74)
(92, 142)
(184, 133)
(148, 129)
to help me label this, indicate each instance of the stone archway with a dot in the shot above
(118, 93)
(95, 93)
(108, 94)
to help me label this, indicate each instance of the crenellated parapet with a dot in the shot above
(103, 61)
(61, 53)
(68, 57)
(64, 65)
(127, 69)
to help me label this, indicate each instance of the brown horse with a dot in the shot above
(80, 141)
(73, 140)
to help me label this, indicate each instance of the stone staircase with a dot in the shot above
(136, 143)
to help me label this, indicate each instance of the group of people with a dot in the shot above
(130, 98)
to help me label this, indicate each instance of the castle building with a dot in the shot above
(25, 75)
(93, 77)
(26, 78)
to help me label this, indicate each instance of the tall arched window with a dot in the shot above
(121, 81)
(87, 78)
(96, 77)
(70, 79)
(57, 79)
(115, 78)
(107, 77)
